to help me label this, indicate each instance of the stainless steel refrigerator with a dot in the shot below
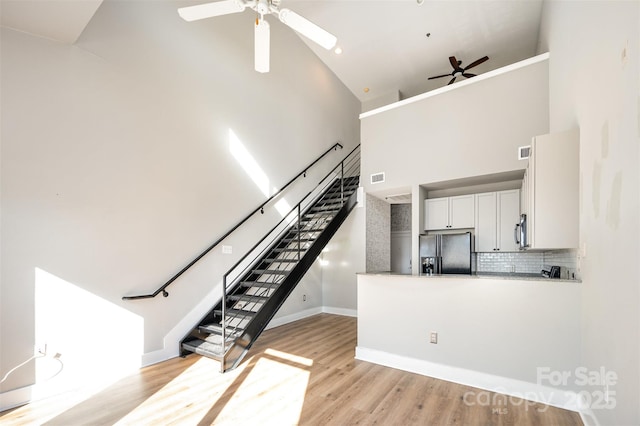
(445, 253)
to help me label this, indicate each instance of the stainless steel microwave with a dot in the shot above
(520, 232)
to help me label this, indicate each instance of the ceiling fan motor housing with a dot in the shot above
(262, 7)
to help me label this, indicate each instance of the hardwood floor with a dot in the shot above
(300, 373)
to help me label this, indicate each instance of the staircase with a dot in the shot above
(252, 296)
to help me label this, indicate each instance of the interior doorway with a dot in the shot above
(401, 238)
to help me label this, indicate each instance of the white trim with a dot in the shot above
(485, 76)
(15, 398)
(171, 341)
(587, 416)
(276, 322)
(340, 311)
(504, 385)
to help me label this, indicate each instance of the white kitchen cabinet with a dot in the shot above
(486, 222)
(508, 203)
(450, 212)
(496, 216)
(436, 213)
(552, 191)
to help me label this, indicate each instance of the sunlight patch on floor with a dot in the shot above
(203, 375)
(286, 396)
(289, 357)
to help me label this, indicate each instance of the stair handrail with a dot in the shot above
(298, 207)
(287, 215)
(260, 208)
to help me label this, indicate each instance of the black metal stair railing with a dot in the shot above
(294, 215)
(260, 208)
(256, 286)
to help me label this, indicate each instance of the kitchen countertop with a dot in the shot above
(481, 275)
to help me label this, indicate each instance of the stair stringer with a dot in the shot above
(256, 326)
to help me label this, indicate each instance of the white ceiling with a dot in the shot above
(60, 20)
(385, 47)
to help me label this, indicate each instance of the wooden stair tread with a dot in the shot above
(204, 348)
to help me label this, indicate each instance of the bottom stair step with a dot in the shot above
(231, 332)
(208, 349)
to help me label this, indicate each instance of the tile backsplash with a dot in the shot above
(525, 262)
(528, 262)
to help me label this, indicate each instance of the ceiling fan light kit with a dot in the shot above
(262, 29)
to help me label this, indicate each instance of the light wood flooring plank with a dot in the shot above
(300, 373)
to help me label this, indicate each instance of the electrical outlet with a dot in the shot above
(40, 349)
(304, 297)
(433, 337)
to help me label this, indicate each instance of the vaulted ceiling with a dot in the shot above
(387, 46)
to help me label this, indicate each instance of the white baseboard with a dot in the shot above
(587, 415)
(15, 398)
(310, 312)
(160, 355)
(276, 322)
(503, 385)
(170, 344)
(340, 311)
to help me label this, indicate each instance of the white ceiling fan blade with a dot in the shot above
(262, 36)
(307, 28)
(208, 10)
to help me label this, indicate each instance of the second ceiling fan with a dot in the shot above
(262, 30)
(460, 71)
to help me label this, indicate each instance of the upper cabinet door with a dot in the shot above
(486, 222)
(508, 203)
(553, 181)
(449, 212)
(436, 213)
(462, 211)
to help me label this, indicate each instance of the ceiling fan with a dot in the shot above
(460, 71)
(262, 32)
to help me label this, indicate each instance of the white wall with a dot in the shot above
(117, 170)
(593, 87)
(486, 327)
(471, 130)
(343, 257)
